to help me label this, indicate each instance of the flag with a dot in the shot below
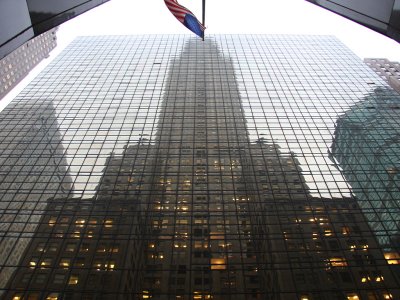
(186, 17)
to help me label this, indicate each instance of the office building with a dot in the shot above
(382, 16)
(387, 70)
(15, 66)
(23, 20)
(206, 165)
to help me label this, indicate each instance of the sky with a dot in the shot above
(231, 16)
(222, 17)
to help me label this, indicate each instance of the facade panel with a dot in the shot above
(202, 170)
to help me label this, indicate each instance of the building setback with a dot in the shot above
(197, 177)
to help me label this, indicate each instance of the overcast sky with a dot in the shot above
(231, 16)
(222, 16)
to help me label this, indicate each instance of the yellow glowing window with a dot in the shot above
(33, 263)
(303, 297)
(365, 279)
(110, 265)
(108, 223)
(352, 296)
(65, 263)
(392, 258)
(345, 230)
(17, 297)
(80, 222)
(52, 296)
(338, 262)
(218, 264)
(52, 221)
(146, 295)
(73, 279)
(387, 296)
(45, 263)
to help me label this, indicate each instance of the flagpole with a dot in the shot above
(204, 16)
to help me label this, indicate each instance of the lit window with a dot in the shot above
(218, 264)
(345, 230)
(352, 296)
(52, 221)
(52, 296)
(17, 297)
(80, 222)
(33, 262)
(65, 262)
(45, 263)
(146, 295)
(110, 265)
(387, 296)
(337, 262)
(73, 279)
(108, 223)
(392, 258)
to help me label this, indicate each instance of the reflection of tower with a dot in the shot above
(233, 219)
(33, 170)
(87, 248)
(221, 215)
(366, 146)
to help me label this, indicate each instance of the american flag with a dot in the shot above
(186, 17)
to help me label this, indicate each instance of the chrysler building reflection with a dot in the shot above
(202, 212)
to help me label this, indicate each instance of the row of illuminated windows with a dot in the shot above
(71, 247)
(66, 263)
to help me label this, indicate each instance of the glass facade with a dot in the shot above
(164, 167)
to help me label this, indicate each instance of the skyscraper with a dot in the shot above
(201, 171)
(15, 66)
(23, 20)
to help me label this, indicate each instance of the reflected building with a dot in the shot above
(386, 69)
(33, 169)
(199, 209)
(366, 147)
